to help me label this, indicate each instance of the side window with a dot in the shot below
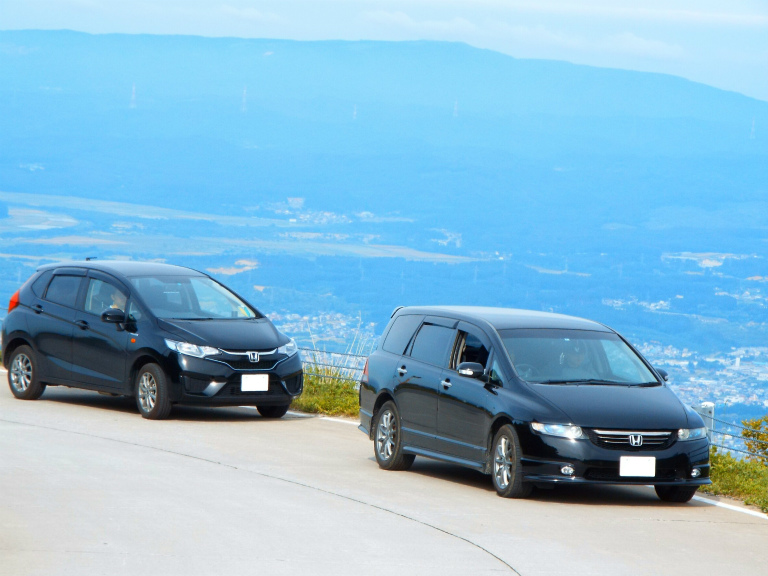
(401, 332)
(63, 290)
(102, 295)
(471, 349)
(495, 376)
(134, 312)
(38, 286)
(433, 344)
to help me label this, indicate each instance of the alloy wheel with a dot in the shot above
(21, 372)
(502, 463)
(386, 435)
(147, 392)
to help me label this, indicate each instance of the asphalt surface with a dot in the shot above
(89, 487)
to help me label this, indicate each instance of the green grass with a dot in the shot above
(746, 480)
(325, 395)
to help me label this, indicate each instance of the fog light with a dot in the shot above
(567, 470)
(695, 473)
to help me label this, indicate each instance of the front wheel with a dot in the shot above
(23, 378)
(273, 411)
(675, 493)
(507, 468)
(388, 441)
(152, 392)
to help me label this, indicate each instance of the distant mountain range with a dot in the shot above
(357, 176)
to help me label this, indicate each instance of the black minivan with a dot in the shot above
(531, 398)
(163, 334)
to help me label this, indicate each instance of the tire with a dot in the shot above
(152, 392)
(506, 469)
(387, 440)
(675, 493)
(273, 411)
(23, 378)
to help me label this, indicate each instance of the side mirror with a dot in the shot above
(472, 370)
(113, 316)
(663, 374)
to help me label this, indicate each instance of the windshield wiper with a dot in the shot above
(590, 381)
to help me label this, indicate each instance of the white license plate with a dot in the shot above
(254, 383)
(640, 466)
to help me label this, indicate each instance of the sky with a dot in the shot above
(716, 42)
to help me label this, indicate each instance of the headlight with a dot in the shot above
(691, 433)
(288, 349)
(191, 349)
(559, 430)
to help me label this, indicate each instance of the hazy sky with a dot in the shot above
(723, 43)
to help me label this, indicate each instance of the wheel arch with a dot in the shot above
(14, 343)
(520, 428)
(383, 397)
(143, 358)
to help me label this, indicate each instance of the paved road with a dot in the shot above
(89, 487)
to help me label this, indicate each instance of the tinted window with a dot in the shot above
(433, 344)
(471, 349)
(400, 334)
(190, 297)
(38, 286)
(102, 295)
(63, 290)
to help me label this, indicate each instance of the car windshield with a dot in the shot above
(549, 356)
(190, 298)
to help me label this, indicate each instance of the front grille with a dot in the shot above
(247, 365)
(612, 475)
(621, 439)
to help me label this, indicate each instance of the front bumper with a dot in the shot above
(592, 464)
(214, 381)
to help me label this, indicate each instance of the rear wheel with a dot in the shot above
(273, 411)
(675, 493)
(23, 378)
(388, 441)
(507, 470)
(152, 392)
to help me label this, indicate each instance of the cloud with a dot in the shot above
(453, 26)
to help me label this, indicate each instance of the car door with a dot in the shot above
(99, 348)
(418, 377)
(52, 323)
(464, 412)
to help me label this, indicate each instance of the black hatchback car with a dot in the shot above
(163, 334)
(531, 398)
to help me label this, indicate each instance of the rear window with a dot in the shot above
(433, 344)
(38, 286)
(63, 290)
(401, 332)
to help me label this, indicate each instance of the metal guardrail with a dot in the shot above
(341, 366)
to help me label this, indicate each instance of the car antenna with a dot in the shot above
(89, 258)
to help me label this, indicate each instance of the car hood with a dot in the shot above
(617, 407)
(227, 334)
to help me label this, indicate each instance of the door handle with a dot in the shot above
(402, 371)
(37, 308)
(446, 383)
(82, 324)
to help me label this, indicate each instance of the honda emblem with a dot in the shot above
(253, 356)
(635, 440)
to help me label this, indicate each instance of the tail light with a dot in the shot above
(14, 301)
(364, 377)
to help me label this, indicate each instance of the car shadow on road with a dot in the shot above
(585, 494)
(127, 405)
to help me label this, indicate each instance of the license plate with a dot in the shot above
(254, 383)
(638, 466)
